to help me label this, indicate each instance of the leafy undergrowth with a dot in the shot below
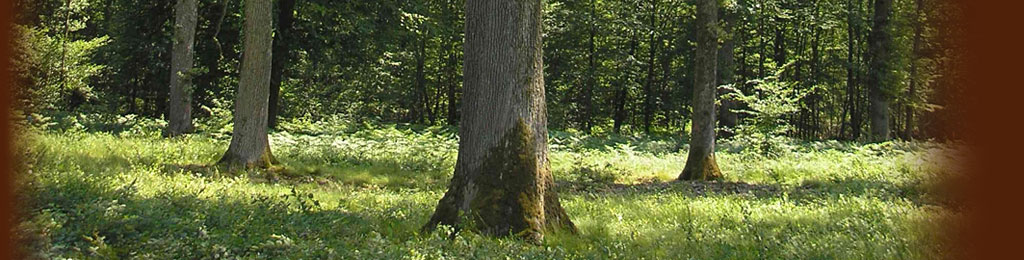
(363, 192)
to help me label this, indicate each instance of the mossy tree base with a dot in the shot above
(510, 193)
(702, 168)
(237, 160)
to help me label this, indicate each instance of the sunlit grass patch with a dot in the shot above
(364, 193)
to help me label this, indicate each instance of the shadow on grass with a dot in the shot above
(297, 173)
(917, 193)
(99, 218)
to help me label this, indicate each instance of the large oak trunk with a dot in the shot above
(880, 52)
(700, 163)
(250, 147)
(179, 115)
(502, 184)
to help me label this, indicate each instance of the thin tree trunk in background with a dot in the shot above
(908, 131)
(421, 109)
(780, 45)
(216, 29)
(285, 18)
(726, 75)
(815, 97)
(648, 105)
(250, 147)
(179, 118)
(879, 80)
(851, 74)
(451, 66)
(763, 42)
(700, 162)
(64, 50)
(622, 93)
(588, 90)
(502, 182)
(453, 102)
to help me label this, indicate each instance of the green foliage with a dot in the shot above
(610, 66)
(362, 191)
(766, 129)
(54, 72)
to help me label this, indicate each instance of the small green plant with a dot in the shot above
(764, 131)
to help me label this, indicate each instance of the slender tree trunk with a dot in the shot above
(422, 108)
(285, 18)
(726, 75)
(250, 147)
(622, 93)
(879, 79)
(588, 91)
(700, 163)
(908, 132)
(649, 84)
(179, 118)
(452, 65)
(502, 181)
(814, 98)
(763, 42)
(852, 71)
(780, 45)
(453, 102)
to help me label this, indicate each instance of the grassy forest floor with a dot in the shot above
(361, 192)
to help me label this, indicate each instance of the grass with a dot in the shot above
(363, 192)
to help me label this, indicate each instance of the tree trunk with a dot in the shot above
(852, 70)
(726, 75)
(908, 132)
(452, 65)
(588, 91)
(502, 181)
(879, 79)
(250, 147)
(285, 18)
(421, 109)
(179, 116)
(700, 163)
(622, 93)
(814, 98)
(649, 84)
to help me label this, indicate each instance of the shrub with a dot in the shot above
(764, 131)
(53, 72)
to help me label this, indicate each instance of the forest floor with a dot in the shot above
(364, 192)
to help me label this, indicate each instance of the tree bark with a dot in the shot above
(285, 18)
(700, 163)
(250, 147)
(502, 183)
(179, 116)
(879, 79)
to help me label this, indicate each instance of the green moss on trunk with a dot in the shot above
(704, 170)
(508, 198)
(510, 194)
